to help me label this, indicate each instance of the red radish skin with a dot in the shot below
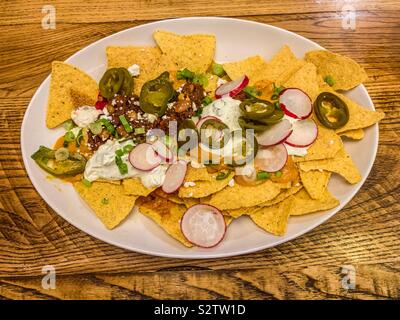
(195, 229)
(163, 151)
(143, 157)
(276, 134)
(295, 103)
(232, 88)
(174, 176)
(101, 102)
(271, 159)
(304, 133)
(202, 120)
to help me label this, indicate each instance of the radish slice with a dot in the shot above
(271, 159)
(174, 176)
(232, 88)
(275, 134)
(202, 120)
(144, 157)
(295, 103)
(203, 225)
(304, 133)
(163, 151)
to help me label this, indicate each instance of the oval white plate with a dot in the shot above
(236, 39)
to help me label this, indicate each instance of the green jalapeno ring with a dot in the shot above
(259, 109)
(251, 124)
(340, 110)
(111, 82)
(155, 94)
(247, 139)
(218, 126)
(276, 116)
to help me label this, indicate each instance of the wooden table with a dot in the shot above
(365, 234)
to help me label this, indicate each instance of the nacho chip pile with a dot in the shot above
(269, 204)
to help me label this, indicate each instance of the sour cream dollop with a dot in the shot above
(85, 115)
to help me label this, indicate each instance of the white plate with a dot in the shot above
(236, 39)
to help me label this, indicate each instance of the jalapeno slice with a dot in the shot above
(331, 111)
(111, 82)
(256, 109)
(274, 118)
(46, 159)
(251, 124)
(155, 95)
(244, 148)
(186, 131)
(216, 133)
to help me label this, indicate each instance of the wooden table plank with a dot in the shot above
(365, 233)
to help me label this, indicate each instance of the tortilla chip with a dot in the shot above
(356, 134)
(327, 145)
(345, 72)
(244, 196)
(166, 214)
(169, 196)
(116, 205)
(289, 72)
(149, 59)
(342, 164)
(359, 117)
(315, 182)
(274, 219)
(133, 186)
(303, 203)
(250, 67)
(281, 63)
(70, 87)
(204, 188)
(236, 213)
(195, 52)
(196, 174)
(189, 202)
(305, 79)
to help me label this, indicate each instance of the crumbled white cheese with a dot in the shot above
(189, 184)
(220, 82)
(85, 115)
(231, 183)
(134, 70)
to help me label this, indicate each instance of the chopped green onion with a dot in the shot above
(104, 201)
(201, 79)
(139, 130)
(278, 174)
(329, 80)
(222, 175)
(207, 100)
(79, 137)
(198, 112)
(277, 106)
(128, 148)
(119, 152)
(86, 183)
(65, 144)
(276, 92)
(218, 69)
(122, 166)
(252, 91)
(262, 175)
(69, 136)
(110, 128)
(185, 74)
(125, 123)
(61, 154)
(68, 125)
(96, 127)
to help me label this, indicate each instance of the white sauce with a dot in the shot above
(102, 166)
(134, 70)
(85, 115)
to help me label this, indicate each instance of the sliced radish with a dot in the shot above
(144, 157)
(202, 120)
(163, 151)
(275, 134)
(174, 176)
(203, 225)
(304, 133)
(295, 103)
(271, 159)
(232, 88)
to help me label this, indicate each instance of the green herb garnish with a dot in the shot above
(104, 201)
(278, 174)
(329, 80)
(252, 91)
(122, 166)
(185, 74)
(125, 123)
(276, 92)
(68, 125)
(79, 138)
(110, 128)
(218, 69)
(222, 175)
(86, 183)
(207, 100)
(69, 136)
(200, 79)
(262, 175)
(139, 130)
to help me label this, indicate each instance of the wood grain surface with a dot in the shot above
(365, 234)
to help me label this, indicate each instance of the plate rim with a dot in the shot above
(207, 255)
